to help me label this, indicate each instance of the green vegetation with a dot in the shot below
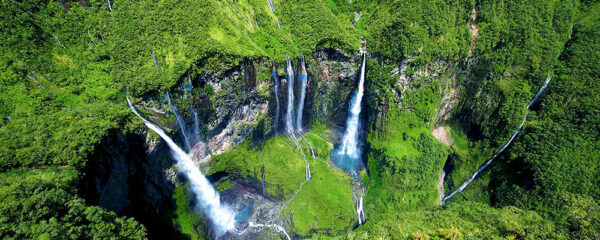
(275, 155)
(324, 205)
(465, 220)
(188, 220)
(60, 100)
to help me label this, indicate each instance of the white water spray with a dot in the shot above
(488, 162)
(303, 78)
(289, 126)
(349, 145)
(359, 210)
(206, 197)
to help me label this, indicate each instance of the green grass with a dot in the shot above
(185, 218)
(404, 165)
(324, 205)
(469, 156)
(284, 167)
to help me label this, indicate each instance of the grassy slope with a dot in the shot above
(324, 205)
(83, 85)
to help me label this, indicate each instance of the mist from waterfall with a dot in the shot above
(347, 156)
(289, 125)
(180, 122)
(488, 162)
(303, 78)
(276, 93)
(222, 217)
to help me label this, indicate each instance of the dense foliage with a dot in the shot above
(65, 67)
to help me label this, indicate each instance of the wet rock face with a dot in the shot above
(332, 79)
(128, 175)
(241, 100)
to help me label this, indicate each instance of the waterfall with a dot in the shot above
(359, 210)
(196, 126)
(58, 41)
(347, 157)
(540, 92)
(488, 162)
(187, 89)
(206, 197)
(89, 35)
(154, 58)
(109, 7)
(302, 77)
(289, 126)
(180, 122)
(276, 92)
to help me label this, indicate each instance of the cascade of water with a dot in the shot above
(347, 157)
(109, 7)
(488, 162)
(58, 41)
(196, 126)
(270, 3)
(155, 61)
(540, 92)
(289, 126)
(89, 35)
(36, 78)
(188, 90)
(359, 210)
(276, 89)
(206, 197)
(180, 122)
(302, 77)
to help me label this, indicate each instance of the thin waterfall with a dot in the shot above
(58, 41)
(36, 78)
(540, 92)
(276, 93)
(289, 126)
(196, 126)
(359, 210)
(207, 198)
(154, 58)
(347, 156)
(488, 162)
(109, 7)
(89, 35)
(302, 77)
(187, 89)
(180, 122)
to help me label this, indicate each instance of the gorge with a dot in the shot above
(325, 119)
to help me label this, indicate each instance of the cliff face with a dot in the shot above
(135, 174)
(129, 174)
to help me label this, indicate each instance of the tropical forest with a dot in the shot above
(299, 119)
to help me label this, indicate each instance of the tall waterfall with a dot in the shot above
(207, 198)
(180, 122)
(347, 156)
(276, 93)
(488, 162)
(302, 77)
(289, 125)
